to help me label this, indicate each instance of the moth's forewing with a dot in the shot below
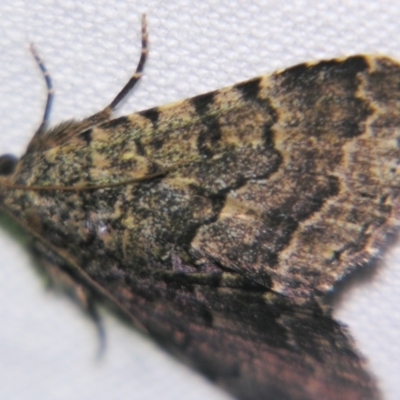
(217, 222)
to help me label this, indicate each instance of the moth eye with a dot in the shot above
(7, 164)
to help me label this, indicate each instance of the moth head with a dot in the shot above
(8, 163)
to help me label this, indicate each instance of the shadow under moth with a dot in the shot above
(220, 223)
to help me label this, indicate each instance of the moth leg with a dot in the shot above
(49, 86)
(62, 282)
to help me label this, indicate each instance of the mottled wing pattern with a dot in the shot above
(290, 179)
(217, 221)
(246, 339)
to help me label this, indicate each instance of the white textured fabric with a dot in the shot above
(47, 347)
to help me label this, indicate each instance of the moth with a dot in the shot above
(220, 223)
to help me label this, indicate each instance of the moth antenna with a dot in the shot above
(138, 73)
(49, 86)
